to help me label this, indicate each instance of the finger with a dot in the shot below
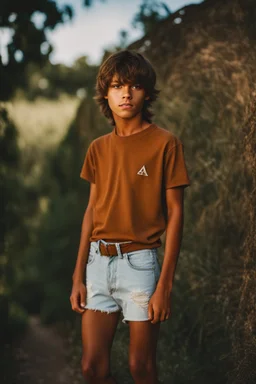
(75, 305)
(156, 317)
(78, 301)
(83, 298)
(75, 308)
(167, 315)
(150, 312)
(163, 316)
(80, 310)
(72, 301)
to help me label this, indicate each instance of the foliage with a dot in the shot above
(28, 43)
(58, 233)
(58, 238)
(13, 235)
(206, 67)
(13, 240)
(54, 80)
(29, 49)
(205, 74)
(150, 13)
(244, 342)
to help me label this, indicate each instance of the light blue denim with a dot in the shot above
(121, 283)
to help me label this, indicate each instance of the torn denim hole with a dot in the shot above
(89, 289)
(140, 298)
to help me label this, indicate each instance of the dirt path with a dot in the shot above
(42, 357)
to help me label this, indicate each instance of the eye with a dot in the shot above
(137, 86)
(115, 86)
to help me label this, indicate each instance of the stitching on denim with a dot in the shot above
(127, 258)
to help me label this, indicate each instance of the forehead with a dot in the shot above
(122, 79)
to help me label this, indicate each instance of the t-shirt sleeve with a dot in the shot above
(88, 168)
(175, 170)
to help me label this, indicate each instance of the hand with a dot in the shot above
(159, 308)
(78, 297)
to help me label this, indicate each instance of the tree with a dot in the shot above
(150, 13)
(28, 42)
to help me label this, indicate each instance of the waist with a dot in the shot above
(110, 248)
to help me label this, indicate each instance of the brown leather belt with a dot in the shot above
(110, 249)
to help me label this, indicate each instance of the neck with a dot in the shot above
(129, 127)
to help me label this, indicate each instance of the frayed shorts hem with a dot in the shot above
(103, 310)
(126, 320)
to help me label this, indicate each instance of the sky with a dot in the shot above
(90, 30)
(97, 27)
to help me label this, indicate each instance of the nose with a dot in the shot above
(127, 92)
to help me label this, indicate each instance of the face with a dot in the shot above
(125, 100)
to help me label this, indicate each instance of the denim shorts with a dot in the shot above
(121, 283)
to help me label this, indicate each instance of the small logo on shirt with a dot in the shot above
(142, 171)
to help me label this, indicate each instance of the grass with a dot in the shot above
(42, 122)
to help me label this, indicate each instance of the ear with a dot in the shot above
(105, 97)
(147, 97)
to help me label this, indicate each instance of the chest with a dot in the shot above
(135, 166)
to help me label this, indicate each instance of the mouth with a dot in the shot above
(125, 105)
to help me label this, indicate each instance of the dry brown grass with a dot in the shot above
(206, 68)
(244, 343)
(42, 122)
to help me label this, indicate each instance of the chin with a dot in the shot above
(126, 115)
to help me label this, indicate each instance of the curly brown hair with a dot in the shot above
(130, 67)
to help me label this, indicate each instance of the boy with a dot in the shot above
(138, 175)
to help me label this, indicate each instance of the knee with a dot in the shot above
(93, 369)
(141, 369)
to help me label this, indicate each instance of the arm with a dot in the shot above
(159, 305)
(78, 294)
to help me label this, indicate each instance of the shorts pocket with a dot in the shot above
(141, 260)
(92, 254)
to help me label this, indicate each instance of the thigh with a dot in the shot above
(143, 341)
(98, 330)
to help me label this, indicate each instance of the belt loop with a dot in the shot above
(101, 241)
(98, 246)
(119, 252)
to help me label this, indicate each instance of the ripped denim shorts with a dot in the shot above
(121, 283)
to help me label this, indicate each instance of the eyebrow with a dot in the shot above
(119, 82)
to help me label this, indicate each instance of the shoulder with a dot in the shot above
(167, 138)
(100, 141)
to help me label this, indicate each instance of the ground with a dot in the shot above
(42, 357)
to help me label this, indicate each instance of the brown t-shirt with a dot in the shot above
(131, 174)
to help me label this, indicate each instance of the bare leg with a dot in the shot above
(142, 351)
(98, 330)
